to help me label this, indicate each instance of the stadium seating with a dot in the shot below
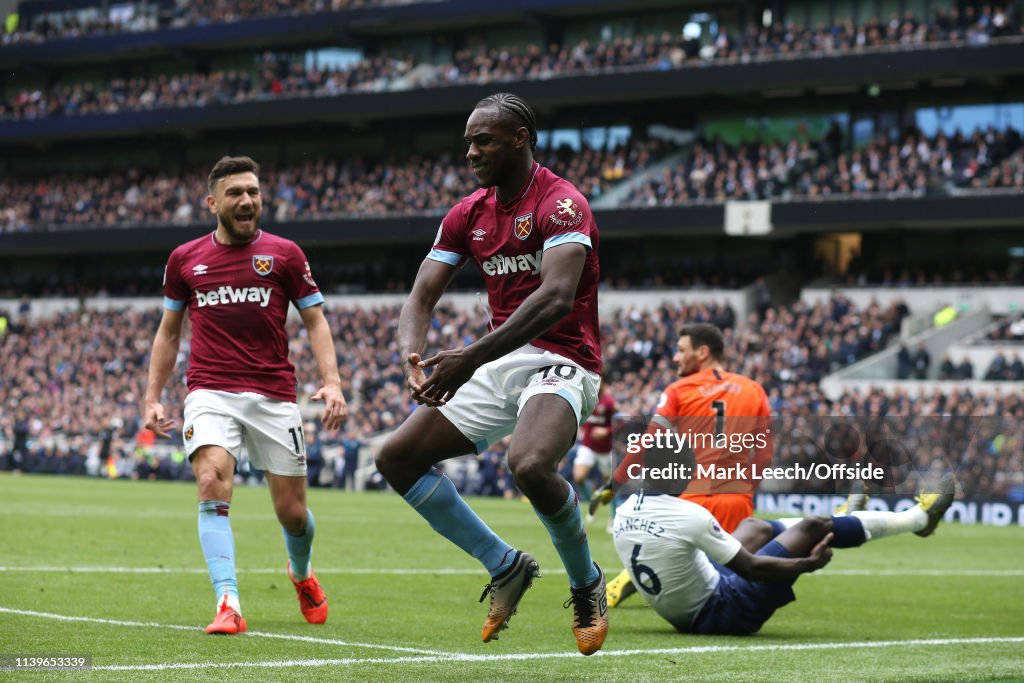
(278, 76)
(893, 163)
(327, 187)
(308, 190)
(73, 377)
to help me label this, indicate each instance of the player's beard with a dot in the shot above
(687, 369)
(239, 232)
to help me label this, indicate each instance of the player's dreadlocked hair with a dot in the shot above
(515, 110)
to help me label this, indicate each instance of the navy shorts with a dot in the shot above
(739, 606)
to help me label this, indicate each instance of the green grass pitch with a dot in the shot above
(118, 574)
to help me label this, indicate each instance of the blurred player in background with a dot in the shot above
(534, 376)
(237, 284)
(702, 579)
(709, 403)
(595, 442)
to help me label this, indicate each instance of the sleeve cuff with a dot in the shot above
(451, 258)
(173, 304)
(568, 238)
(311, 300)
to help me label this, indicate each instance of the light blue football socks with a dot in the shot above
(300, 548)
(434, 496)
(570, 539)
(218, 546)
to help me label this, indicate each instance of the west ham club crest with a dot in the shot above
(262, 264)
(524, 225)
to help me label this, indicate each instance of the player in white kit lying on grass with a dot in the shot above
(703, 580)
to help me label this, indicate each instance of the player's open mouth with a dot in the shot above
(246, 218)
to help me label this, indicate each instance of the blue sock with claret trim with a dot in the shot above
(300, 548)
(218, 544)
(435, 497)
(570, 539)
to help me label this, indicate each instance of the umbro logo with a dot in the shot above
(478, 235)
(200, 269)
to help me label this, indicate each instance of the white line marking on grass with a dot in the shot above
(462, 657)
(253, 634)
(463, 572)
(203, 570)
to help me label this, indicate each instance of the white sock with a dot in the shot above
(232, 602)
(881, 524)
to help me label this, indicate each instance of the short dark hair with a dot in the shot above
(705, 334)
(230, 166)
(514, 112)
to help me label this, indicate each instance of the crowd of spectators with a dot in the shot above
(328, 187)
(1009, 329)
(941, 275)
(70, 384)
(156, 14)
(274, 76)
(305, 190)
(75, 380)
(907, 163)
(1003, 368)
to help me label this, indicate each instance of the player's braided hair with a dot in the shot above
(230, 166)
(515, 111)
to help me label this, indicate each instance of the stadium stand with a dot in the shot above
(279, 76)
(322, 188)
(907, 163)
(167, 14)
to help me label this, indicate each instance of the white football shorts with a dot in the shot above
(270, 429)
(589, 457)
(485, 408)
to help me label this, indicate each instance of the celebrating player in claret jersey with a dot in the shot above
(534, 376)
(237, 284)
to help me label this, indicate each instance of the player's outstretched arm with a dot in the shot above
(769, 568)
(322, 344)
(553, 300)
(162, 358)
(431, 281)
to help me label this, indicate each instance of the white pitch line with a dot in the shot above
(254, 634)
(259, 570)
(525, 656)
(466, 572)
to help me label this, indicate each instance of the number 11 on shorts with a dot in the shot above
(298, 439)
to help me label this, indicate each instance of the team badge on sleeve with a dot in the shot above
(263, 264)
(308, 276)
(715, 530)
(568, 214)
(189, 433)
(524, 225)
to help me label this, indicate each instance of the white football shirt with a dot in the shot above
(665, 542)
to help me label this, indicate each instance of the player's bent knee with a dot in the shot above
(816, 525)
(754, 526)
(531, 470)
(292, 515)
(212, 483)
